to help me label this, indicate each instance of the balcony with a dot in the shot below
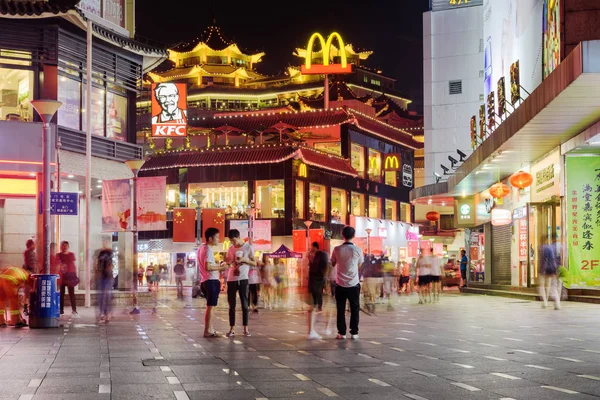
(73, 140)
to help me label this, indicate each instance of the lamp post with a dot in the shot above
(46, 110)
(135, 166)
(198, 198)
(369, 230)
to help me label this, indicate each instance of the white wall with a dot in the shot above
(18, 227)
(451, 51)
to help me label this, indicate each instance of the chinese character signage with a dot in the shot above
(551, 26)
(515, 83)
(523, 242)
(546, 178)
(62, 203)
(491, 111)
(482, 122)
(152, 203)
(473, 132)
(501, 97)
(169, 109)
(116, 205)
(440, 5)
(464, 212)
(583, 220)
(114, 11)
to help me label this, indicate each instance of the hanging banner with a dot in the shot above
(317, 235)
(261, 232)
(116, 205)
(583, 220)
(413, 248)
(214, 218)
(152, 203)
(241, 225)
(184, 225)
(376, 245)
(299, 240)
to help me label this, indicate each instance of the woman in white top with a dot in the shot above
(424, 277)
(268, 281)
(436, 273)
(254, 286)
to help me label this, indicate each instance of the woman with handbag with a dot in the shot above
(69, 277)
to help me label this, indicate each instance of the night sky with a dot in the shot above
(392, 29)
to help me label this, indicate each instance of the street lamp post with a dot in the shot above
(135, 166)
(198, 198)
(46, 110)
(369, 230)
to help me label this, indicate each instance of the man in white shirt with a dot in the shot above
(347, 259)
(424, 276)
(436, 273)
(209, 277)
(240, 258)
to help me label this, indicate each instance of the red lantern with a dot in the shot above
(432, 216)
(499, 190)
(521, 180)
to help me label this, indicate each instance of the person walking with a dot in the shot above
(424, 277)
(548, 272)
(269, 282)
(254, 279)
(240, 258)
(316, 281)
(69, 277)
(210, 273)
(104, 276)
(140, 273)
(30, 265)
(404, 283)
(436, 274)
(464, 263)
(347, 258)
(179, 271)
(150, 276)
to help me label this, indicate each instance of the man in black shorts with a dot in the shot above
(209, 275)
(316, 282)
(424, 277)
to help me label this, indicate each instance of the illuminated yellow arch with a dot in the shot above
(326, 48)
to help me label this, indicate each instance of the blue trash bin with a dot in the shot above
(44, 309)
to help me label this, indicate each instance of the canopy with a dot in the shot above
(284, 252)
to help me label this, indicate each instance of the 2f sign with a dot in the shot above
(589, 265)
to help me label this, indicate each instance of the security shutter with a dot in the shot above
(501, 243)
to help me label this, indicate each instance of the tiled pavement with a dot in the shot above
(465, 347)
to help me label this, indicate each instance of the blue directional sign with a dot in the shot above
(62, 203)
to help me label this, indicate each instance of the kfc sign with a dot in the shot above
(169, 110)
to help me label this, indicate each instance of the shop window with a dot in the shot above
(271, 197)
(318, 201)
(374, 207)
(98, 111)
(357, 204)
(391, 210)
(357, 159)
(374, 166)
(405, 212)
(69, 94)
(338, 206)
(232, 196)
(332, 148)
(116, 116)
(391, 178)
(16, 93)
(172, 197)
(300, 187)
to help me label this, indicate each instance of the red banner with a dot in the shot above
(214, 218)
(413, 248)
(299, 237)
(523, 246)
(376, 245)
(184, 225)
(317, 235)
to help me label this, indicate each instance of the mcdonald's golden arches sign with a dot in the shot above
(327, 67)
(302, 171)
(392, 162)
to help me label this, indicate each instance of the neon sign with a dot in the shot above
(392, 163)
(327, 67)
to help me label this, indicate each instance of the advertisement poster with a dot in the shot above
(413, 248)
(511, 32)
(116, 205)
(152, 203)
(262, 235)
(114, 11)
(242, 226)
(91, 6)
(583, 220)
(551, 27)
(169, 109)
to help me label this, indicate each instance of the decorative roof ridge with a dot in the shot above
(375, 120)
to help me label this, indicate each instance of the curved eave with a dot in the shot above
(174, 55)
(429, 191)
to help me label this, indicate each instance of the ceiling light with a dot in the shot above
(32, 174)
(99, 180)
(70, 176)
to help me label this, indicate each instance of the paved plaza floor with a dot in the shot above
(464, 347)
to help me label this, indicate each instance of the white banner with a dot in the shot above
(152, 203)
(116, 205)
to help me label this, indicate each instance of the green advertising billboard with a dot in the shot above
(583, 220)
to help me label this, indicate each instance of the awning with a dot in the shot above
(564, 105)
(284, 252)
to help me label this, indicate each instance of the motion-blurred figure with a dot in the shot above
(549, 276)
(104, 276)
(11, 279)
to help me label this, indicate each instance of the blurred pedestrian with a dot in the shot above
(282, 281)
(150, 276)
(11, 279)
(404, 284)
(140, 275)
(210, 272)
(254, 279)
(269, 283)
(464, 263)
(240, 258)
(179, 271)
(548, 272)
(104, 276)
(316, 281)
(424, 276)
(69, 277)
(436, 274)
(332, 278)
(30, 265)
(347, 258)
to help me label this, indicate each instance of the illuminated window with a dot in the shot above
(339, 206)
(405, 212)
(172, 197)
(271, 197)
(374, 207)
(391, 178)
(232, 196)
(300, 187)
(318, 201)
(69, 94)
(16, 93)
(391, 210)
(332, 147)
(374, 166)
(357, 159)
(116, 116)
(98, 112)
(357, 204)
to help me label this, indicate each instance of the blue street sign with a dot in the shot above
(62, 203)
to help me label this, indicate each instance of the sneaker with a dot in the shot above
(340, 337)
(314, 336)
(354, 337)
(135, 311)
(230, 334)
(557, 307)
(75, 314)
(247, 334)
(328, 332)
(544, 306)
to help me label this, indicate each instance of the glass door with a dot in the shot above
(545, 227)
